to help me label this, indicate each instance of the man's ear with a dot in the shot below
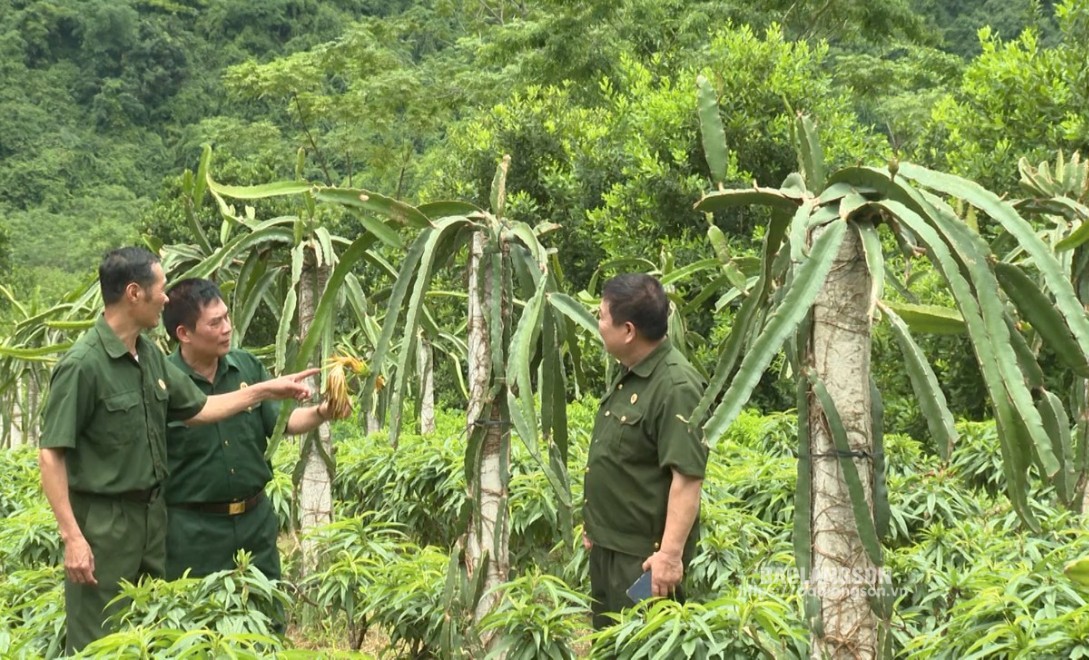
(132, 292)
(182, 333)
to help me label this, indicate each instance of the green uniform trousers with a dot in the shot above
(611, 573)
(207, 542)
(128, 540)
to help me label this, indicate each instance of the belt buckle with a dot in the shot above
(235, 508)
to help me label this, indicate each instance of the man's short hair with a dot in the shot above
(639, 299)
(188, 298)
(123, 266)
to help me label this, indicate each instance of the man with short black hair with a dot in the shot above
(646, 465)
(103, 445)
(218, 472)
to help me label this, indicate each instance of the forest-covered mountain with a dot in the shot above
(105, 102)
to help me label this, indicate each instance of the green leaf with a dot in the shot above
(803, 290)
(803, 495)
(973, 254)
(810, 153)
(574, 310)
(867, 532)
(881, 510)
(745, 322)
(924, 382)
(242, 314)
(39, 354)
(401, 285)
(714, 136)
(1035, 307)
(277, 189)
(684, 272)
(1078, 571)
(929, 319)
(1015, 463)
(1077, 238)
(283, 331)
(524, 234)
(1057, 425)
(519, 369)
(368, 200)
(200, 182)
(1026, 359)
(445, 208)
(200, 185)
(442, 231)
(272, 231)
(325, 311)
(722, 200)
(875, 261)
(1066, 299)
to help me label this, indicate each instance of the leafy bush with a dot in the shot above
(420, 597)
(774, 434)
(32, 612)
(733, 626)
(733, 545)
(29, 538)
(153, 642)
(351, 554)
(977, 457)
(18, 480)
(763, 485)
(919, 500)
(537, 616)
(241, 601)
(420, 484)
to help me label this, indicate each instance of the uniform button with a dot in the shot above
(226, 443)
(620, 386)
(232, 470)
(607, 413)
(655, 546)
(623, 418)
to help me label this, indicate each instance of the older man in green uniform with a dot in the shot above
(103, 448)
(646, 465)
(216, 490)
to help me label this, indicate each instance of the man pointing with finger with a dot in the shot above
(645, 466)
(103, 447)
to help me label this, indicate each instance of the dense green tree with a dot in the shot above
(1018, 98)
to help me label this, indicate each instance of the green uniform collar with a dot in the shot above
(228, 361)
(115, 348)
(646, 366)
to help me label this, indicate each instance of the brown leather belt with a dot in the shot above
(224, 508)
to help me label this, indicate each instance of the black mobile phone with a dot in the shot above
(640, 589)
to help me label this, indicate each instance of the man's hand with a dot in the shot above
(586, 542)
(291, 386)
(79, 562)
(327, 412)
(666, 571)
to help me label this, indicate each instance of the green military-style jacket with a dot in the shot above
(110, 411)
(222, 462)
(640, 435)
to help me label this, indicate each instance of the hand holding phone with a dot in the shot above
(640, 589)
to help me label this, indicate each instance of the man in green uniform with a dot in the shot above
(645, 465)
(103, 447)
(216, 489)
